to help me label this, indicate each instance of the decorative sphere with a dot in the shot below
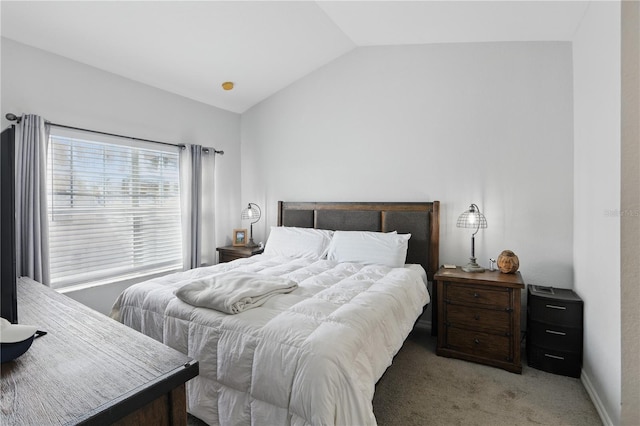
(508, 262)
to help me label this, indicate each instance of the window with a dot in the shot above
(114, 208)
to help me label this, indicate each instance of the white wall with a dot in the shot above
(596, 56)
(71, 93)
(488, 123)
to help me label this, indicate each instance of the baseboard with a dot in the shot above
(602, 412)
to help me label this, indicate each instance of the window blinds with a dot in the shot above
(114, 208)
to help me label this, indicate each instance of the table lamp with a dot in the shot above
(472, 218)
(251, 212)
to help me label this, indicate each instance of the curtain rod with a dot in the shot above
(13, 117)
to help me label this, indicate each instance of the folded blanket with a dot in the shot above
(234, 292)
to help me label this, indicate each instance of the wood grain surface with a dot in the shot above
(88, 368)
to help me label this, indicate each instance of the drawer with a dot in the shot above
(554, 361)
(479, 344)
(559, 312)
(487, 320)
(228, 257)
(554, 336)
(461, 293)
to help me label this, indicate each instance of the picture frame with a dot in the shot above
(239, 237)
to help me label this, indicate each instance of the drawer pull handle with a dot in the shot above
(562, 308)
(554, 357)
(476, 317)
(476, 295)
(476, 341)
(559, 333)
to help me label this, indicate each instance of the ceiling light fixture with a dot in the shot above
(227, 85)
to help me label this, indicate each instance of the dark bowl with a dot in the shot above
(11, 351)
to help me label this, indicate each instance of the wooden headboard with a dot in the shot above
(421, 220)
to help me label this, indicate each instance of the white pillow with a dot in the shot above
(366, 247)
(308, 243)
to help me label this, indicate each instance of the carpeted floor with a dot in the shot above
(421, 388)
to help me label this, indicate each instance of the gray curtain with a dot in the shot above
(196, 205)
(208, 251)
(197, 191)
(191, 193)
(32, 227)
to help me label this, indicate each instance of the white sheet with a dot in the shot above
(309, 357)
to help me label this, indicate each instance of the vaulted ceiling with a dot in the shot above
(191, 47)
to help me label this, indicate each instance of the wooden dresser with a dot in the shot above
(479, 317)
(89, 369)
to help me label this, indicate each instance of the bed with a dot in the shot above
(311, 355)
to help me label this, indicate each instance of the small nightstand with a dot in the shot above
(479, 317)
(554, 330)
(229, 253)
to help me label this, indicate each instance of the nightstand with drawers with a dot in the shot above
(229, 253)
(554, 330)
(479, 317)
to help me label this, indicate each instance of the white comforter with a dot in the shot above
(310, 357)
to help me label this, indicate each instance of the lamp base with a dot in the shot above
(251, 244)
(472, 266)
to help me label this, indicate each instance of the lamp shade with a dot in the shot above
(251, 212)
(472, 218)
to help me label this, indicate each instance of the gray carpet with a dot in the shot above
(421, 388)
